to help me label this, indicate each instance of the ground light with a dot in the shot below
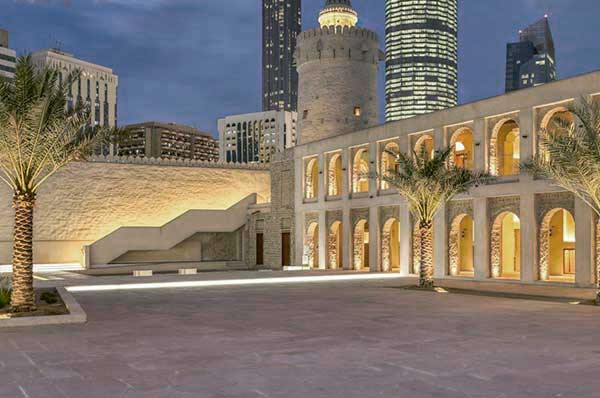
(233, 282)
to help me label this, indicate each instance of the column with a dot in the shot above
(528, 237)
(323, 241)
(347, 235)
(373, 149)
(482, 236)
(479, 145)
(439, 141)
(299, 239)
(322, 189)
(346, 170)
(527, 132)
(374, 242)
(584, 244)
(440, 241)
(405, 240)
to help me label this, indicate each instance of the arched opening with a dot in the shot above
(557, 246)
(360, 171)
(506, 246)
(311, 179)
(390, 246)
(425, 144)
(335, 246)
(506, 149)
(311, 245)
(361, 246)
(461, 246)
(462, 149)
(557, 122)
(388, 162)
(334, 175)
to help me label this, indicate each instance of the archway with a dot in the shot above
(335, 246)
(360, 171)
(557, 246)
(462, 149)
(557, 122)
(461, 246)
(390, 246)
(388, 162)
(506, 246)
(334, 175)
(361, 246)
(311, 245)
(425, 145)
(311, 179)
(505, 149)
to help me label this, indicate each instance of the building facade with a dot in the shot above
(169, 141)
(96, 87)
(281, 25)
(341, 58)
(531, 61)
(256, 137)
(421, 57)
(8, 57)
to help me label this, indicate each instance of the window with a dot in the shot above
(357, 111)
(305, 114)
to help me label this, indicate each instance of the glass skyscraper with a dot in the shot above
(530, 61)
(281, 25)
(421, 38)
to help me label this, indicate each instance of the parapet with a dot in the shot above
(177, 162)
(350, 31)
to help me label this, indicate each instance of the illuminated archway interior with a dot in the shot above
(311, 180)
(360, 171)
(557, 246)
(462, 149)
(506, 246)
(311, 245)
(334, 175)
(335, 246)
(425, 144)
(361, 246)
(388, 162)
(461, 246)
(508, 149)
(390, 246)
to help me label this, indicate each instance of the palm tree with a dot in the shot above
(428, 182)
(569, 155)
(39, 135)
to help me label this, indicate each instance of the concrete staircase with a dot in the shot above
(102, 252)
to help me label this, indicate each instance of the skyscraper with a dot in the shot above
(531, 60)
(421, 38)
(8, 57)
(281, 25)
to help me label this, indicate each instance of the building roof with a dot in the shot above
(171, 126)
(337, 3)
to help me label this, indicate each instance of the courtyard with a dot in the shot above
(333, 339)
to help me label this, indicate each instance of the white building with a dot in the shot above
(255, 137)
(97, 86)
(8, 57)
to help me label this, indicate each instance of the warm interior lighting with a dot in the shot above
(338, 16)
(568, 228)
(460, 146)
(357, 111)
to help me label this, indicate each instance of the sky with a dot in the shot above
(194, 61)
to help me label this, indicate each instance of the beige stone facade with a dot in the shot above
(506, 231)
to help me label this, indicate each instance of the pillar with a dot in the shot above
(527, 131)
(479, 145)
(346, 171)
(584, 244)
(440, 239)
(374, 240)
(322, 186)
(323, 241)
(405, 240)
(347, 237)
(482, 236)
(299, 240)
(528, 237)
(373, 169)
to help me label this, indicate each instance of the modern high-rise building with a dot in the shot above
(256, 137)
(421, 38)
(281, 26)
(531, 61)
(169, 141)
(8, 57)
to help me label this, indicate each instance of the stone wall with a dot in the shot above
(87, 201)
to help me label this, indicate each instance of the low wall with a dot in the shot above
(86, 201)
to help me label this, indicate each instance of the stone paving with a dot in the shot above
(316, 340)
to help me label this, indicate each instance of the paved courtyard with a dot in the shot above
(352, 339)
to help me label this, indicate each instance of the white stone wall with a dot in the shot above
(87, 201)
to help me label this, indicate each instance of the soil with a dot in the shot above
(43, 308)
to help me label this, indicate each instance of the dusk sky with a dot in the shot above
(193, 61)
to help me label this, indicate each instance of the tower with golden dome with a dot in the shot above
(338, 66)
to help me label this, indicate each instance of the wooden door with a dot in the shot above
(286, 252)
(260, 243)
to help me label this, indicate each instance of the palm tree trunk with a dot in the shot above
(22, 297)
(426, 271)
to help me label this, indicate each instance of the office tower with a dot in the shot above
(281, 26)
(168, 141)
(421, 57)
(256, 137)
(8, 57)
(531, 60)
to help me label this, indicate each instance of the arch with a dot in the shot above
(360, 170)
(460, 246)
(426, 143)
(553, 123)
(334, 175)
(360, 249)
(311, 179)
(462, 148)
(506, 246)
(336, 246)
(557, 246)
(311, 245)
(388, 162)
(505, 148)
(390, 245)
